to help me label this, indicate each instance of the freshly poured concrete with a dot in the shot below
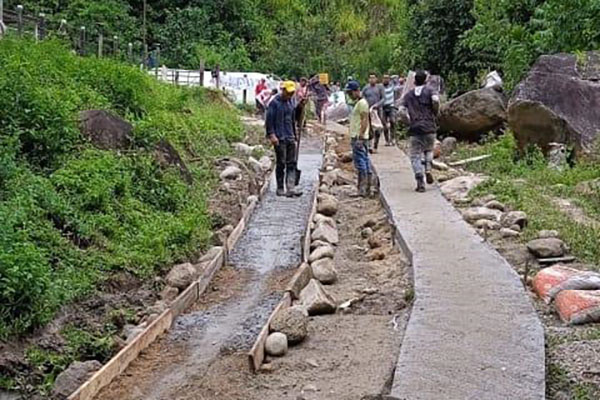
(473, 332)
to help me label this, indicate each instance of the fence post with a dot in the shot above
(100, 44)
(201, 73)
(218, 76)
(116, 46)
(145, 61)
(20, 19)
(130, 52)
(41, 26)
(82, 41)
(157, 58)
(244, 96)
(176, 77)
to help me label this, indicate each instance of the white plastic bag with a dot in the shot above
(375, 120)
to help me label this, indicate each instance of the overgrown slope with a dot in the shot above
(71, 213)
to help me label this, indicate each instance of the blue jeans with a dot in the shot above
(360, 153)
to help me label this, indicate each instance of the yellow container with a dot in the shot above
(324, 79)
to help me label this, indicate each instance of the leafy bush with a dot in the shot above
(71, 213)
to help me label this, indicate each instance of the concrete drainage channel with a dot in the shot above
(267, 251)
(350, 354)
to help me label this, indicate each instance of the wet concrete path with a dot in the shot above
(270, 244)
(473, 332)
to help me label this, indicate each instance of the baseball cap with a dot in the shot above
(352, 86)
(288, 86)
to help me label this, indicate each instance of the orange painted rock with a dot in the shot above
(549, 282)
(578, 306)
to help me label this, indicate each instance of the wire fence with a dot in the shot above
(95, 42)
(85, 41)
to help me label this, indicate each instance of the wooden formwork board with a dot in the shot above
(256, 356)
(121, 361)
(116, 365)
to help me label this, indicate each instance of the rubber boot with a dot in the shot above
(292, 190)
(280, 192)
(362, 184)
(429, 177)
(420, 183)
(369, 185)
(358, 183)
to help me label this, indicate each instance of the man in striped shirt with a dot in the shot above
(388, 115)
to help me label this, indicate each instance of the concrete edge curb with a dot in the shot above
(118, 363)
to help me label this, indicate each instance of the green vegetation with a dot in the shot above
(459, 39)
(71, 212)
(528, 184)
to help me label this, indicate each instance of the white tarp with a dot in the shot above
(234, 83)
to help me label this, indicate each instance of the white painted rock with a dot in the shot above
(293, 323)
(232, 172)
(321, 252)
(181, 275)
(546, 248)
(326, 233)
(474, 214)
(315, 299)
(276, 344)
(327, 204)
(324, 271)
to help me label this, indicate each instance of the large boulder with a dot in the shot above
(473, 114)
(106, 130)
(558, 102)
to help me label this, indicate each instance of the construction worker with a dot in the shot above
(281, 132)
(359, 136)
(423, 105)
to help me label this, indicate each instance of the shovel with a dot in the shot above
(298, 137)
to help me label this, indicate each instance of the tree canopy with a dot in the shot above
(460, 39)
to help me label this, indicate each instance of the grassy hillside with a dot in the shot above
(71, 213)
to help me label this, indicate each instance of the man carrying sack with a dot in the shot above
(281, 132)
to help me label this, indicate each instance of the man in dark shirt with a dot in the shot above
(422, 105)
(374, 93)
(281, 133)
